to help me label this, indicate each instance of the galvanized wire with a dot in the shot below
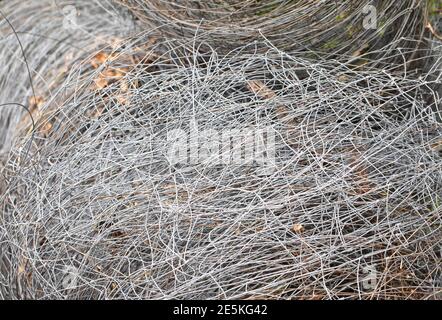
(351, 210)
(334, 28)
(55, 35)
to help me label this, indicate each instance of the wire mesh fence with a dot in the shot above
(172, 168)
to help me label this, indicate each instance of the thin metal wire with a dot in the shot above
(101, 213)
(334, 28)
(52, 43)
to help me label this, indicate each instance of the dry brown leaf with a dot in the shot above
(101, 83)
(124, 85)
(122, 99)
(343, 78)
(46, 129)
(21, 269)
(109, 76)
(98, 60)
(437, 146)
(298, 228)
(360, 51)
(430, 27)
(264, 92)
(260, 89)
(35, 103)
(101, 58)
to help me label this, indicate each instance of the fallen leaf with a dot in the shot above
(101, 83)
(437, 146)
(35, 103)
(21, 269)
(343, 78)
(360, 51)
(46, 129)
(298, 228)
(260, 89)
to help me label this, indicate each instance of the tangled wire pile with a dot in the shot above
(100, 210)
(54, 37)
(339, 28)
(179, 169)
